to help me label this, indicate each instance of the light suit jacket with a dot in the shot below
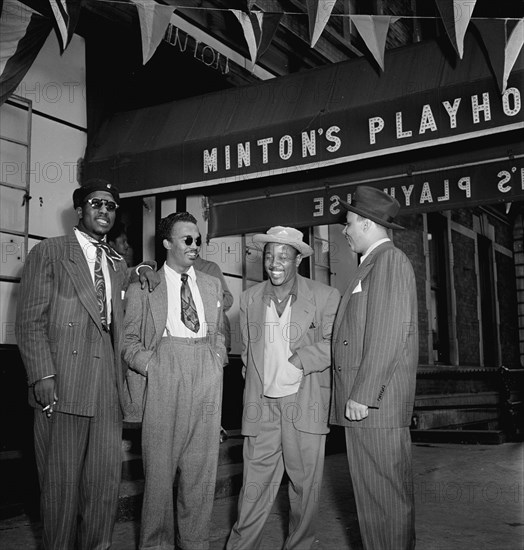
(375, 342)
(58, 328)
(312, 317)
(144, 325)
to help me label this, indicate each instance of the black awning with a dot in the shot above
(324, 117)
(490, 172)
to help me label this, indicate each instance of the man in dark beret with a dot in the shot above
(68, 329)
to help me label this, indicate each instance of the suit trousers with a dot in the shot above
(181, 431)
(381, 472)
(278, 446)
(79, 461)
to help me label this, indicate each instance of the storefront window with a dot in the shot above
(438, 260)
(254, 266)
(487, 301)
(321, 268)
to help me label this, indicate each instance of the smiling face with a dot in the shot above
(181, 256)
(96, 223)
(281, 263)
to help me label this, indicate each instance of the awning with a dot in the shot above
(326, 117)
(456, 176)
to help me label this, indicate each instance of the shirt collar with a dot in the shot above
(191, 274)
(269, 293)
(372, 247)
(87, 238)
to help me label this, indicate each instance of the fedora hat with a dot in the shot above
(374, 205)
(285, 235)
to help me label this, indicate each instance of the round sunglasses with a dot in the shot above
(188, 241)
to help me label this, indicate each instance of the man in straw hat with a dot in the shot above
(286, 327)
(375, 355)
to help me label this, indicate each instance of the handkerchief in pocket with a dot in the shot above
(358, 288)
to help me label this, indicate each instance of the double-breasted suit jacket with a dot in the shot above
(58, 325)
(375, 342)
(145, 323)
(312, 317)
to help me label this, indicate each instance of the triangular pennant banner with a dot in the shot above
(319, 12)
(66, 14)
(456, 15)
(268, 23)
(463, 12)
(154, 20)
(374, 30)
(502, 51)
(249, 33)
(259, 29)
(512, 50)
(493, 34)
(22, 35)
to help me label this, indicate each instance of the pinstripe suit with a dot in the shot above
(78, 449)
(375, 352)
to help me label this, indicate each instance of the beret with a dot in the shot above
(92, 185)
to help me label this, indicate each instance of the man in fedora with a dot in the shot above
(375, 355)
(286, 325)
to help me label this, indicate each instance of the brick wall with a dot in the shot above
(468, 334)
(509, 332)
(463, 216)
(411, 242)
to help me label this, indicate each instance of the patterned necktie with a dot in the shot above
(189, 314)
(111, 254)
(100, 288)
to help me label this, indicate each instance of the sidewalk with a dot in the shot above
(468, 497)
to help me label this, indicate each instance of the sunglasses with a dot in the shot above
(188, 241)
(97, 204)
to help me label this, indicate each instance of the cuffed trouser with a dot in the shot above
(380, 466)
(181, 431)
(279, 445)
(79, 461)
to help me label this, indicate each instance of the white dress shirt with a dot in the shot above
(89, 250)
(372, 247)
(174, 325)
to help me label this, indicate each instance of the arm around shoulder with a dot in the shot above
(134, 350)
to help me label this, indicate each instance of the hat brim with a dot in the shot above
(370, 216)
(303, 248)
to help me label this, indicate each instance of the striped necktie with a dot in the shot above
(189, 314)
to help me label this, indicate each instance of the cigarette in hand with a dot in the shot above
(49, 408)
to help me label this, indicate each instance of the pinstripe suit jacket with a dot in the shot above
(58, 328)
(144, 325)
(375, 342)
(312, 316)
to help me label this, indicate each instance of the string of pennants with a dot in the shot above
(503, 38)
(22, 26)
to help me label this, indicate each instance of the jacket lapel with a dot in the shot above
(158, 304)
(209, 299)
(360, 274)
(80, 277)
(256, 318)
(302, 313)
